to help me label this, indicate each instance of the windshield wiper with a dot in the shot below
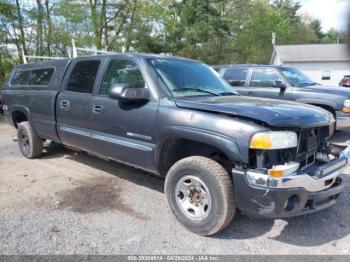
(195, 90)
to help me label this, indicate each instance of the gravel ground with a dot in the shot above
(71, 203)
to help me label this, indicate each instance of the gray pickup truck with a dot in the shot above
(288, 83)
(176, 118)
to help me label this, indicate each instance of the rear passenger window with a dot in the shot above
(20, 78)
(83, 76)
(236, 76)
(41, 77)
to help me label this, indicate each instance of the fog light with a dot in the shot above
(261, 180)
(292, 203)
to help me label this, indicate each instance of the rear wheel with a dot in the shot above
(200, 194)
(30, 144)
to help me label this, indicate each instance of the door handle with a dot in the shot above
(97, 109)
(64, 104)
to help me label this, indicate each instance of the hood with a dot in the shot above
(336, 90)
(273, 112)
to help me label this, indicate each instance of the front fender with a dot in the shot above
(221, 142)
(321, 102)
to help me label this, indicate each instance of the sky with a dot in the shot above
(332, 13)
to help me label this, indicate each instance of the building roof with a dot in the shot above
(311, 53)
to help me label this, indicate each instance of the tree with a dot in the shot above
(49, 26)
(316, 25)
(288, 10)
(213, 31)
(334, 36)
(12, 23)
(253, 43)
(39, 28)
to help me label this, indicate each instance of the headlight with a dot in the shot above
(346, 108)
(274, 140)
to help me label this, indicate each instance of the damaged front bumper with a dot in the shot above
(297, 194)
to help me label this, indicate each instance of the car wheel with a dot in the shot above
(30, 144)
(200, 195)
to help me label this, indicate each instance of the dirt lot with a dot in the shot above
(71, 203)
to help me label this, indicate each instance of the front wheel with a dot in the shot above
(200, 195)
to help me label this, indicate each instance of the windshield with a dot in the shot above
(189, 78)
(295, 77)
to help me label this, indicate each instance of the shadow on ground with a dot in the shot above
(138, 177)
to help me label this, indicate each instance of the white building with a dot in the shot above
(325, 64)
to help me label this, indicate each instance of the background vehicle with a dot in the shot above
(288, 83)
(345, 82)
(176, 118)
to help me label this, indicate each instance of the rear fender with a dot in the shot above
(22, 109)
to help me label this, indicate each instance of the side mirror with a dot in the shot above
(236, 82)
(127, 93)
(279, 84)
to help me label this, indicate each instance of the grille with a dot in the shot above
(309, 141)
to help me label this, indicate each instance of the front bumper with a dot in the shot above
(290, 196)
(343, 120)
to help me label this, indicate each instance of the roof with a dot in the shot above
(311, 53)
(41, 64)
(66, 60)
(242, 65)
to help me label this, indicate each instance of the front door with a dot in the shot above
(124, 131)
(263, 84)
(73, 107)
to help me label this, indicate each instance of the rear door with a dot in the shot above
(73, 105)
(124, 131)
(262, 84)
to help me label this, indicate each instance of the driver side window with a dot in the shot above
(122, 71)
(264, 77)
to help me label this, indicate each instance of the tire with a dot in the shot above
(30, 144)
(207, 184)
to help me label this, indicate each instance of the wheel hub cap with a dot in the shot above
(193, 197)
